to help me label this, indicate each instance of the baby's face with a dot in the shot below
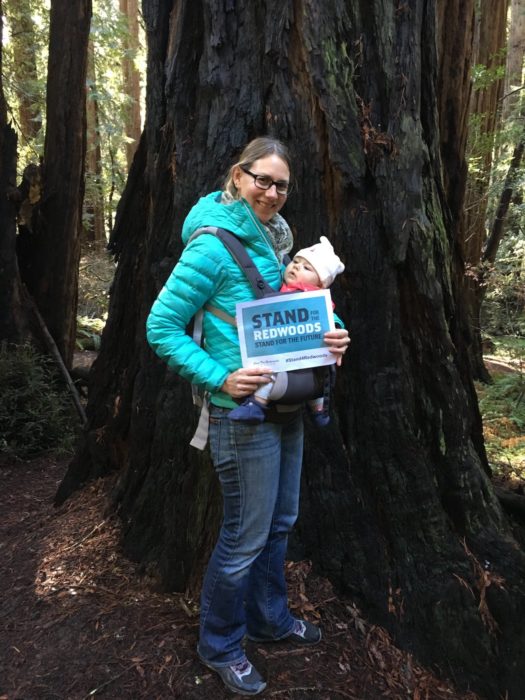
(300, 270)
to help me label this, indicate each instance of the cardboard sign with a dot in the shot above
(286, 332)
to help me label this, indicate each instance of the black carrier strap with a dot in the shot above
(260, 288)
(235, 247)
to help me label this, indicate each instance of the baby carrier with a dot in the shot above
(293, 387)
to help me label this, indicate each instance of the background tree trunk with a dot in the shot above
(456, 32)
(94, 197)
(456, 27)
(489, 43)
(52, 259)
(397, 507)
(515, 54)
(25, 70)
(131, 76)
(498, 227)
(485, 115)
(14, 312)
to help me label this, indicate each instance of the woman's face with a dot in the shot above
(265, 203)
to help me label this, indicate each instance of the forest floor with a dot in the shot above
(79, 621)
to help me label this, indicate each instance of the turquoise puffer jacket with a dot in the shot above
(206, 273)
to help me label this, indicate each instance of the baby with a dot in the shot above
(311, 269)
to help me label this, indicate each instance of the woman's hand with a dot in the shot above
(244, 382)
(338, 342)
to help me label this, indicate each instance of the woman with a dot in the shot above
(259, 466)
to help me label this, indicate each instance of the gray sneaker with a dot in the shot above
(242, 678)
(304, 633)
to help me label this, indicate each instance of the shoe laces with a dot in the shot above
(243, 668)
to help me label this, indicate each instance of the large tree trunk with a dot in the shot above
(53, 256)
(397, 506)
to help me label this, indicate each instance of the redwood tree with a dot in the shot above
(397, 506)
(489, 54)
(485, 116)
(131, 76)
(52, 255)
(14, 309)
(515, 54)
(94, 199)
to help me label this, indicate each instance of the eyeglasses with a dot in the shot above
(264, 182)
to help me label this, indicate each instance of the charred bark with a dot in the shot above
(397, 505)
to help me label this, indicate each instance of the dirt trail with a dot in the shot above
(78, 621)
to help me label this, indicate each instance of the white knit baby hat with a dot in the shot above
(324, 261)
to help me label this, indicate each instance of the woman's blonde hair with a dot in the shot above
(258, 148)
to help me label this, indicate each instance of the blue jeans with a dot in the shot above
(244, 589)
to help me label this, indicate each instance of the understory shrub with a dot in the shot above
(503, 309)
(36, 413)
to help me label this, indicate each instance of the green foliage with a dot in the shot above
(481, 141)
(511, 348)
(484, 76)
(503, 310)
(489, 154)
(504, 402)
(109, 32)
(96, 272)
(502, 406)
(36, 414)
(15, 84)
(89, 332)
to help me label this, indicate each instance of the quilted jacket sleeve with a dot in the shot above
(193, 282)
